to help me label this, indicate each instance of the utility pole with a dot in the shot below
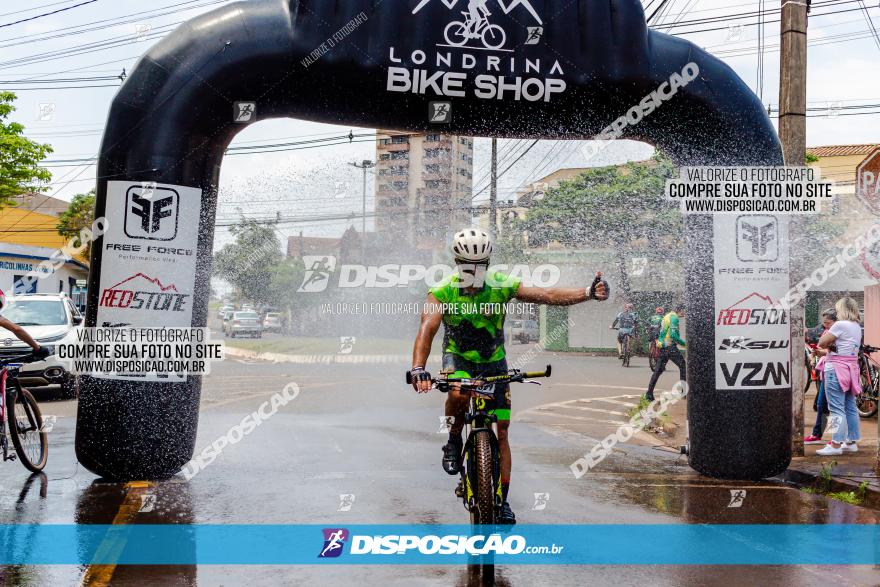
(793, 135)
(493, 190)
(365, 165)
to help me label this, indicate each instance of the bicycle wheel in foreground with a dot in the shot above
(26, 429)
(483, 511)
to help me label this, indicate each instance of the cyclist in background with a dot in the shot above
(625, 322)
(655, 323)
(668, 341)
(470, 306)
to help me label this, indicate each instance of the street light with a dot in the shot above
(365, 164)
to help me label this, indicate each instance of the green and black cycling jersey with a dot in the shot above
(474, 324)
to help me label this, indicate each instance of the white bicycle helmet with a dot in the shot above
(472, 245)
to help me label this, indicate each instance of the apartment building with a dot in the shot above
(423, 186)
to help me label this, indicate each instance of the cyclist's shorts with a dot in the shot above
(624, 332)
(501, 407)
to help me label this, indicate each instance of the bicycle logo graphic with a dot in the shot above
(476, 25)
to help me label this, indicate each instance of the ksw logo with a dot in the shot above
(735, 344)
(756, 374)
(141, 292)
(476, 29)
(757, 238)
(334, 541)
(151, 212)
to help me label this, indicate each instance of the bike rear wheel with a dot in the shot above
(866, 403)
(26, 429)
(483, 508)
(653, 353)
(456, 33)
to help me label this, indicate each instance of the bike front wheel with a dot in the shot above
(494, 36)
(26, 429)
(482, 480)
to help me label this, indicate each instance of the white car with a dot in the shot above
(244, 323)
(272, 322)
(48, 318)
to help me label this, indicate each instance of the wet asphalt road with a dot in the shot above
(356, 430)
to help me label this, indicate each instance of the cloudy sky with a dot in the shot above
(101, 38)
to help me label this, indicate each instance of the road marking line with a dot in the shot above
(579, 418)
(564, 405)
(111, 546)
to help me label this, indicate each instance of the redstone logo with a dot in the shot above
(753, 310)
(142, 292)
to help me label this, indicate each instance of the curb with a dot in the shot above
(802, 479)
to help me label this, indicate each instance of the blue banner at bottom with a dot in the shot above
(642, 544)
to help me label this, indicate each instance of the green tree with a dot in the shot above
(19, 157)
(79, 215)
(614, 207)
(248, 262)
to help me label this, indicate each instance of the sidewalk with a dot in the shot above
(847, 472)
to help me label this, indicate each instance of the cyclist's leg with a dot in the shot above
(658, 371)
(456, 404)
(676, 357)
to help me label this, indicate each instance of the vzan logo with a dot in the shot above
(474, 42)
(151, 213)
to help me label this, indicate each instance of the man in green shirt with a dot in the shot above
(668, 341)
(470, 305)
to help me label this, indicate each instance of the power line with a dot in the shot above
(2, 26)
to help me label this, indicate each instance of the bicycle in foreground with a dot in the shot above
(866, 402)
(480, 463)
(20, 415)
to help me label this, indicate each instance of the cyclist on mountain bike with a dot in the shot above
(655, 323)
(21, 333)
(470, 305)
(625, 322)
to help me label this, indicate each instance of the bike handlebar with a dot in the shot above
(869, 349)
(514, 375)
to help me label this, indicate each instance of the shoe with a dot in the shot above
(649, 397)
(452, 457)
(813, 440)
(849, 447)
(829, 451)
(505, 514)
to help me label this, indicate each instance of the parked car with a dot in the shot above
(48, 318)
(227, 316)
(223, 309)
(525, 331)
(272, 322)
(246, 323)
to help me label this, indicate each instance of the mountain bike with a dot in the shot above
(626, 348)
(480, 463)
(458, 33)
(866, 402)
(20, 414)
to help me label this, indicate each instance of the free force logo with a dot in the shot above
(334, 541)
(151, 212)
(757, 238)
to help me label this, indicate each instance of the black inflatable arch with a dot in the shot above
(329, 61)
